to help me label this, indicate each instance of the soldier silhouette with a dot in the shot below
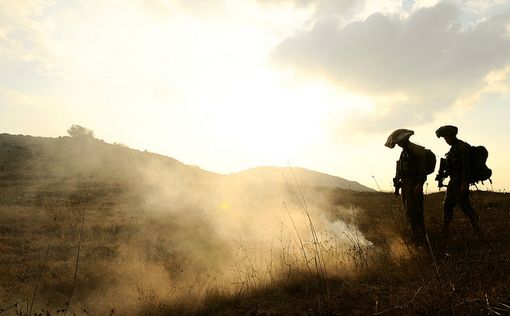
(411, 174)
(458, 168)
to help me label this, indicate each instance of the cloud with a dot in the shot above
(163, 9)
(495, 83)
(321, 7)
(29, 54)
(428, 60)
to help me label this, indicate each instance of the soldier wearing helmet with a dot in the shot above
(458, 168)
(410, 176)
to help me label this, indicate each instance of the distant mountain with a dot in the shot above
(29, 160)
(304, 177)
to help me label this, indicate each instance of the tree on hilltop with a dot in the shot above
(80, 131)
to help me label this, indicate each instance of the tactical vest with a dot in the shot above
(406, 167)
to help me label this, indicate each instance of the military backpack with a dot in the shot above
(430, 161)
(479, 169)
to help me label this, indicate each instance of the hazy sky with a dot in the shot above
(233, 84)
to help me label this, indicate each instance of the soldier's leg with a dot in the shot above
(465, 206)
(409, 204)
(449, 203)
(419, 231)
(414, 211)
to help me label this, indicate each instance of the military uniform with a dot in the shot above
(411, 169)
(459, 167)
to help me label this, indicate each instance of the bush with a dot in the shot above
(80, 131)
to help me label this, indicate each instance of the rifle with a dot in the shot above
(442, 173)
(397, 181)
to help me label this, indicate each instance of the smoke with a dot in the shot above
(230, 235)
(158, 233)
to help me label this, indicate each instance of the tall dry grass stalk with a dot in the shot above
(318, 258)
(39, 279)
(68, 303)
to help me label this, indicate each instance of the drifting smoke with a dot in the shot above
(232, 235)
(159, 233)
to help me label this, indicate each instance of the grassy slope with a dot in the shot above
(41, 209)
(465, 276)
(48, 185)
(472, 277)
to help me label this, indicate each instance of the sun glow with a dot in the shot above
(201, 90)
(199, 80)
(197, 86)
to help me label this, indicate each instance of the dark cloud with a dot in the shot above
(429, 57)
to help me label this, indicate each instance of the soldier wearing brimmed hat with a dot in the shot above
(458, 162)
(410, 176)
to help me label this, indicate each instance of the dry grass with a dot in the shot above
(143, 253)
(391, 277)
(472, 276)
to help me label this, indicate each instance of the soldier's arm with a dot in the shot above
(396, 180)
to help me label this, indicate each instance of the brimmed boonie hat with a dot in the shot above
(397, 136)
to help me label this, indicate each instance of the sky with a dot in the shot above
(228, 85)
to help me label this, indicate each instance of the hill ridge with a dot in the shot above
(303, 176)
(24, 155)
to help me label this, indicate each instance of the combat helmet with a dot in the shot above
(447, 130)
(397, 136)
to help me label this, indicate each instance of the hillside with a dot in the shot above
(100, 229)
(43, 158)
(41, 168)
(40, 159)
(304, 176)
